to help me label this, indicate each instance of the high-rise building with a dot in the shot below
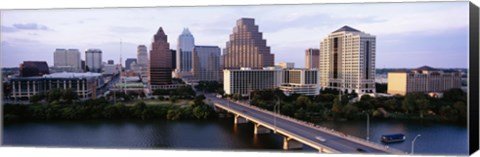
(206, 63)
(33, 68)
(174, 57)
(93, 60)
(67, 59)
(160, 69)
(110, 61)
(311, 58)
(128, 63)
(185, 45)
(424, 79)
(246, 47)
(347, 61)
(142, 55)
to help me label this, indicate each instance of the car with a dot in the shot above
(361, 150)
(320, 138)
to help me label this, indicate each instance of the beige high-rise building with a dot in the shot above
(246, 47)
(67, 60)
(311, 58)
(347, 61)
(424, 79)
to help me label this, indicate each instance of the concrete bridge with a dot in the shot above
(298, 133)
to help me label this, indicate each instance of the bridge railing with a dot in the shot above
(327, 130)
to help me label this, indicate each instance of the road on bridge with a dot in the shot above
(332, 140)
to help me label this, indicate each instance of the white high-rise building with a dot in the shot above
(347, 61)
(206, 63)
(69, 60)
(142, 55)
(93, 60)
(185, 45)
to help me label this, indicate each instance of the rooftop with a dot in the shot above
(72, 75)
(346, 29)
(427, 68)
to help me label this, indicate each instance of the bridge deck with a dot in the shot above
(302, 131)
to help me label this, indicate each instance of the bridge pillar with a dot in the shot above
(289, 143)
(259, 129)
(239, 120)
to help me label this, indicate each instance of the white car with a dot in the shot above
(320, 138)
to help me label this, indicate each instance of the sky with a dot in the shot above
(408, 35)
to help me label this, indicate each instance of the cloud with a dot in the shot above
(7, 29)
(30, 26)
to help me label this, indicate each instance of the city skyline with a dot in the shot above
(27, 32)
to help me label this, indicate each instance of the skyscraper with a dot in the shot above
(246, 47)
(185, 45)
(347, 61)
(311, 58)
(93, 60)
(160, 70)
(206, 63)
(63, 58)
(142, 56)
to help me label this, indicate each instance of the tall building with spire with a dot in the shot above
(246, 47)
(347, 61)
(185, 45)
(160, 69)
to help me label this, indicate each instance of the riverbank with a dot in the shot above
(101, 109)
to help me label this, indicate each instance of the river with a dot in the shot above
(219, 134)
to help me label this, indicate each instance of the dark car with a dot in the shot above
(361, 150)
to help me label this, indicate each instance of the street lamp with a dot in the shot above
(413, 143)
(276, 109)
(368, 126)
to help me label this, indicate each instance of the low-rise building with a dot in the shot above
(424, 79)
(84, 84)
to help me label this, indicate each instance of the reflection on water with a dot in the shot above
(219, 134)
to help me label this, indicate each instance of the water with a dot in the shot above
(219, 134)
(435, 138)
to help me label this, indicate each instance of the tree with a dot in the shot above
(69, 95)
(202, 112)
(174, 114)
(461, 110)
(198, 101)
(302, 101)
(422, 106)
(54, 95)
(37, 97)
(337, 106)
(391, 104)
(300, 114)
(408, 104)
(350, 110)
